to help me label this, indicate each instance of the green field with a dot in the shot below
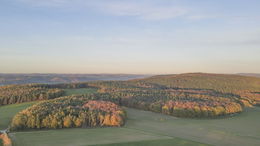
(7, 112)
(143, 126)
(79, 91)
(241, 129)
(78, 137)
(159, 142)
(68, 137)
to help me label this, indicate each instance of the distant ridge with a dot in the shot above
(250, 74)
(7, 79)
(218, 82)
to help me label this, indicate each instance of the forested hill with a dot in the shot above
(7, 79)
(218, 82)
(184, 95)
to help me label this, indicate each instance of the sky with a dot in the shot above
(129, 36)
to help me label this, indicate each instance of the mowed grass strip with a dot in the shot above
(8, 111)
(79, 91)
(158, 142)
(80, 137)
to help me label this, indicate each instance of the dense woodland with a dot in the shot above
(185, 95)
(248, 88)
(173, 101)
(93, 110)
(12, 94)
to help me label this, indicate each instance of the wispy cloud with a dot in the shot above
(143, 10)
(200, 17)
(140, 9)
(45, 2)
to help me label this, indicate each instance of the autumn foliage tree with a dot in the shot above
(25, 93)
(71, 111)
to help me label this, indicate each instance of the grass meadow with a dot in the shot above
(79, 91)
(146, 128)
(158, 142)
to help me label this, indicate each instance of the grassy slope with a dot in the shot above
(242, 129)
(77, 137)
(1, 142)
(218, 82)
(7, 112)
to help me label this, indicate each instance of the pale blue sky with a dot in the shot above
(129, 36)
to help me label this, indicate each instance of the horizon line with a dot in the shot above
(127, 73)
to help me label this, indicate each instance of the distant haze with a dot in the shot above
(250, 74)
(7, 79)
(129, 36)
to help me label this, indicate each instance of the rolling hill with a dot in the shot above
(247, 88)
(191, 95)
(7, 79)
(218, 82)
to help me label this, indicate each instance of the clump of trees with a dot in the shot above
(181, 102)
(25, 93)
(192, 106)
(249, 97)
(71, 111)
(200, 109)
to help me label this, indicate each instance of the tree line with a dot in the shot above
(181, 102)
(25, 93)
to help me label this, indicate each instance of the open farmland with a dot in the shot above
(143, 126)
(78, 136)
(146, 127)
